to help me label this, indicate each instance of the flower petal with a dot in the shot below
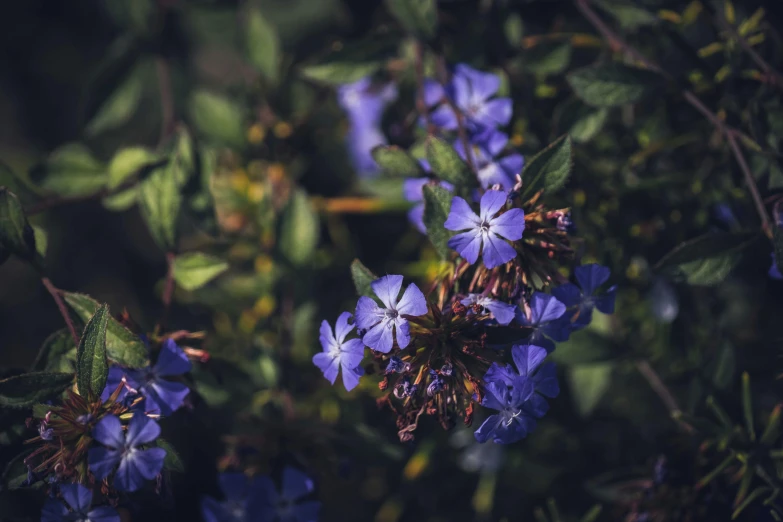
(295, 484)
(444, 117)
(342, 327)
(137, 466)
(307, 511)
(103, 514)
(141, 429)
(234, 486)
(512, 164)
(368, 313)
(172, 360)
(527, 357)
(77, 496)
(509, 224)
(413, 302)
(504, 374)
(492, 174)
(387, 288)
(467, 244)
(545, 381)
(496, 396)
(496, 112)
(416, 217)
(503, 312)
(326, 337)
(491, 202)
(380, 337)
(164, 396)
(108, 432)
(605, 303)
(497, 251)
(402, 332)
(54, 511)
(545, 308)
(591, 276)
(482, 85)
(214, 511)
(102, 461)
(433, 92)
(351, 378)
(568, 294)
(412, 188)
(461, 216)
(488, 428)
(352, 354)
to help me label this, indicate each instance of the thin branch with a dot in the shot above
(443, 78)
(166, 98)
(421, 105)
(168, 291)
(618, 44)
(661, 390)
(55, 293)
(774, 77)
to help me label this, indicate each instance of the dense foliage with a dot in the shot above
(413, 259)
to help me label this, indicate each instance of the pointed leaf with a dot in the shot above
(218, 118)
(395, 161)
(263, 45)
(172, 460)
(437, 203)
(705, 260)
(549, 169)
(338, 73)
(612, 84)
(120, 106)
(127, 162)
(723, 366)
(16, 234)
(58, 353)
(71, 171)
(362, 277)
(194, 269)
(22, 391)
(419, 17)
(122, 345)
(446, 163)
(160, 201)
(299, 229)
(92, 365)
(589, 383)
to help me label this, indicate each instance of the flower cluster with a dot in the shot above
(503, 297)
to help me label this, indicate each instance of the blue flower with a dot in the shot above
(774, 271)
(384, 324)
(582, 298)
(544, 314)
(484, 150)
(242, 496)
(78, 498)
(160, 395)
(502, 312)
(396, 365)
(339, 352)
(472, 93)
(413, 191)
(135, 464)
(486, 229)
(364, 105)
(517, 395)
(287, 506)
(436, 384)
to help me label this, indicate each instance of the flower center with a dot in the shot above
(390, 314)
(484, 226)
(509, 414)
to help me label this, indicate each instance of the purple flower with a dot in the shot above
(582, 298)
(491, 171)
(78, 498)
(774, 271)
(471, 92)
(545, 312)
(396, 365)
(436, 384)
(339, 352)
(135, 464)
(383, 324)
(485, 229)
(502, 312)
(287, 506)
(520, 393)
(413, 191)
(160, 395)
(242, 497)
(364, 105)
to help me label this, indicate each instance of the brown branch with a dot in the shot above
(618, 44)
(168, 291)
(55, 293)
(166, 98)
(662, 391)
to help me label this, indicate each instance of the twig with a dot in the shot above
(168, 290)
(618, 44)
(661, 390)
(55, 293)
(166, 98)
(443, 77)
(421, 106)
(773, 76)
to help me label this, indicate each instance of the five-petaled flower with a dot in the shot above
(384, 324)
(287, 506)
(413, 191)
(339, 352)
(487, 229)
(78, 498)
(243, 498)
(582, 299)
(135, 464)
(544, 317)
(502, 312)
(492, 170)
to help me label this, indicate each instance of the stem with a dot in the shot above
(661, 390)
(421, 106)
(168, 291)
(166, 98)
(443, 77)
(618, 44)
(773, 76)
(55, 293)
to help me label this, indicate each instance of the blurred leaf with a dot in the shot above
(419, 17)
(263, 45)
(447, 165)
(127, 162)
(299, 229)
(584, 347)
(747, 406)
(549, 169)
(339, 73)
(437, 203)
(71, 170)
(22, 391)
(362, 277)
(137, 15)
(122, 200)
(194, 269)
(122, 346)
(120, 106)
(41, 240)
(589, 383)
(587, 126)
(303, 332)
(611, 85)
(92, 366)
(723, 366)
(172, 460)
(705, 260)
(756, 494)
(395, 161)
(628, 14)
(543, 61)
(514, 30)
(218, 118)
(184, 156)
(58, 353)
(16, 234)
(160, 201)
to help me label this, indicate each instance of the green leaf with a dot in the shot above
(263, 45)
(628, 14)
(589, 383)
(71, 171)
(16, 234)
(172, 460)
(611, 85)
(127, 162)
(218, 118)
(419, 17)
(185, 156)
(705, 260)
(586, 127)
(160, 201)
(446, 163)
(339, 72)
(194, 269)
(549, 169)
(22, 391)
(41, 240)
(362, 277)
(747, 406)
(723, 366)
(586, 347)
(122, 346)
(299, 229)
(122, 200)
(543, 61)
(57, 353)
(120, 106)
(92, 365)
(395, 161)
(437, 203)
